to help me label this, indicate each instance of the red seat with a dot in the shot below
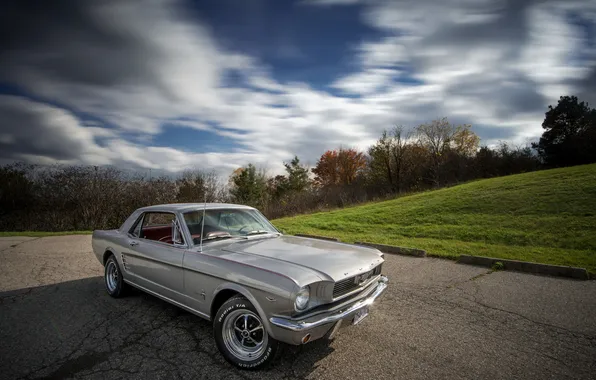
(157, 233)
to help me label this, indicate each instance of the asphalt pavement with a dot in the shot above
(437, 320)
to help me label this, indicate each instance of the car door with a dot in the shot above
(154, 258)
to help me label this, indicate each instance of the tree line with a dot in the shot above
(402, 160)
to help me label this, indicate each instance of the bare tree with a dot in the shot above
(197, 185)
(399, 151)
(436, 136)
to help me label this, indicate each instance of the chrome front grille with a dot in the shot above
(347, 285)
(344, 286)
(377, 270)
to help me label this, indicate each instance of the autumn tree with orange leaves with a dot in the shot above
(339, 167)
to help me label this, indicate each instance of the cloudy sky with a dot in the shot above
(216, 84)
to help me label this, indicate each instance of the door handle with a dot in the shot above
(133, 243)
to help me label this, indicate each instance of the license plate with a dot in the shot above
(360, 316)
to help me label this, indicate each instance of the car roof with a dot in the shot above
(186, 207)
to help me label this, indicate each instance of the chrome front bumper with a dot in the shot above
(298, 325)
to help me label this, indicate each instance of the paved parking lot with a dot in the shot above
(437, 320)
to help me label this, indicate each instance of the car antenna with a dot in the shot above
(203, 223)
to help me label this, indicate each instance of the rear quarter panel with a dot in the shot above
(103, 241)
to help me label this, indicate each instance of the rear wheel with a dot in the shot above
(114, 281)
(241, 336)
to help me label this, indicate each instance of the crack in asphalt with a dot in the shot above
(71, 366)
(18, 294)
(548, 325)
(569, 335)
(475, 300)
(471, 279)
(18, 244)
(66, 358)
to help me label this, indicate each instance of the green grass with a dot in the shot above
(43, 233)
(547, 217)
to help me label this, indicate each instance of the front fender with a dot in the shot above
(253, 300)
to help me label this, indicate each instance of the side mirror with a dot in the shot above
(176, 236)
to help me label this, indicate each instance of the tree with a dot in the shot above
(486, 163)
(441, 137)
(515, 159)
(464, 141)
(325, 170)
(569, 136)
(388, 158)
(249, 186)
(197, 186)
(277, 186)
(17, 190)
(350, 164)
(436, 137)
(339, 167)
(298, 179)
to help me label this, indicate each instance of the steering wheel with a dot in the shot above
(245, 227)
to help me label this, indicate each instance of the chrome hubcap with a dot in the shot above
(112, 276)
(244, 335)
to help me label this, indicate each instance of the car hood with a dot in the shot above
(330, 260)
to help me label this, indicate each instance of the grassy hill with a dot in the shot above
(547, 217)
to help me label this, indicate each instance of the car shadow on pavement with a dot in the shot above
(74, 328)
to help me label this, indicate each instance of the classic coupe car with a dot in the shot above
(228, 264)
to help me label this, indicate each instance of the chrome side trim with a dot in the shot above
(302, 325)
(175, 303)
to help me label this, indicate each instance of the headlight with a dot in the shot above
(302, 298)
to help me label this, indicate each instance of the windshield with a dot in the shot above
(227, 223)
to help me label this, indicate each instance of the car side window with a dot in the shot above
(157, 226)
(136, 228)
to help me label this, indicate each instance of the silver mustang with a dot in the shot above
(228, 264)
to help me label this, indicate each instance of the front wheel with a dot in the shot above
(241, 337)
(115, 284)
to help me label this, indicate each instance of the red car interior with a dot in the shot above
(164, 233)
(159, 233)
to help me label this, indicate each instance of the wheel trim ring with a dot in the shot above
(234, 345)
(112, 276)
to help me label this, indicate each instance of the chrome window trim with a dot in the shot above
(192, 245)
(177, 216)
(138, 220)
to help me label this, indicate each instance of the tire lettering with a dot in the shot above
(224, 313)
(259, 362)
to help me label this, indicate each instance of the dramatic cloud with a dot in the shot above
(35, 130)
(495, 63)
(102, 82)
